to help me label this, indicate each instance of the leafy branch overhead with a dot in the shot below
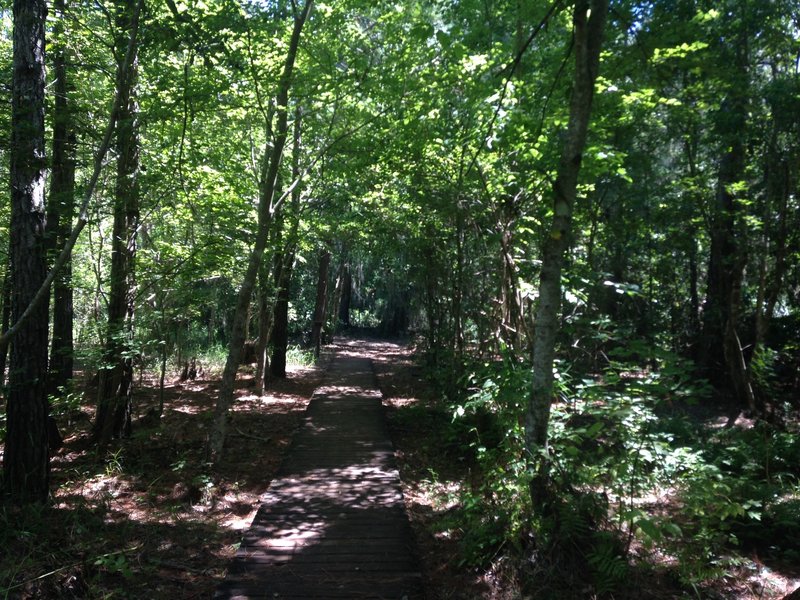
(581, 216)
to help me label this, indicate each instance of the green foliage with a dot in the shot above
(299, 356)
(617, 439)
(428, 159)
(114, 563)
(67, 402)
(763, 369)
(212, 358)
(115, 463)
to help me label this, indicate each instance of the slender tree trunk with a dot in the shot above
(321, 301)
(161, 379)
(6, 320)
(271, 164)
(458, 285)
(779, 189)
(283, 280)
(284, 277)
(589, 22)
(347, 297)
(115, 387)
(513, 316)
(265, 312)
(61, 207)
(280, 320)
(431, 308)
(332, 324)
(694, 297)
(693, 199)
(26, 460)
(727, 370)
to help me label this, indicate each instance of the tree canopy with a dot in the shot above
(584, 215)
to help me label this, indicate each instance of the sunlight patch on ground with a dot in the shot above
(188, 409)
(402, 402)
(239, 523)
(440, 495)
(196, 386)
(348, 390)
(268, 399)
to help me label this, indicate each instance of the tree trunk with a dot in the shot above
(280, 320)
(431, 295)
(266, 302)
(265, 311)
(283, 277)
(458, 286)
(61, 207)
(778, 191)
(266, 210)
(161, 378)
(334, 302)
(589, 21)
(26, 461)
(115, 387)
(6, 320)
(347, 296)
(694, 298)
(727, 370)
(264, 333)
(512, 322)
(321, 301)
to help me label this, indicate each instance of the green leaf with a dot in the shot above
(650, 529)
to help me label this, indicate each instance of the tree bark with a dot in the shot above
(283, 276)
(347, 295)
(727, 370)
(321, 301)
(280, 320)
(334, 302)
(266, 306)
(115, 386)
(696, 199)
(589, 21)
(61, 207)
(458, 286)
(26, 461)
(6, 320)
(778, 191)
(512, 316)
(266, 209)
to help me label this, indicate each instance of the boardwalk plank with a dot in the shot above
(332, 524)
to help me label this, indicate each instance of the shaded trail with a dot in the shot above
(332, 523)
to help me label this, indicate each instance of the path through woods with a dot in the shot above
(333, 523)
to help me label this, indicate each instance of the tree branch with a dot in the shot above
(83, 217)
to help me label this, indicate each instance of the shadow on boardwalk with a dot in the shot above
(332, 523)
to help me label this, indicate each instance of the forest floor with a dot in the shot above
(152, 519)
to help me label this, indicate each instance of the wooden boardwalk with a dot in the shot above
(333, 524)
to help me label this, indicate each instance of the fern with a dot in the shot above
(609, 567)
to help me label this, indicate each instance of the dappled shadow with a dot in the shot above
(151, 516)
(332, 523)
(432, 472)
(146, 556)
(362, 553)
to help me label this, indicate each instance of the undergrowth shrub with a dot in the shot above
(633, 473)
(295, 355)
(495, 505)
